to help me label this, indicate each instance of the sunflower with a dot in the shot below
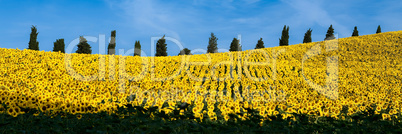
(79, 116)
(73, 110)
(12, 98)
(226, 117)
(32, 100)
(384, 106)
(95, 110)
(18, 110)
(262, 112)
(3, 99)
(275, 112)
(392, 112)
(23, 105)
(211, 107)
(311, 113)
(201, 116)
(43, 108)
(195, 110)
(378, 108)
(11, 111)
(2, 109)
(291, 110)
(385, 116)
(31, 85)
(210, 112)
(83, 109)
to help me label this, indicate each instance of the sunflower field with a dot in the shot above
(355, 80)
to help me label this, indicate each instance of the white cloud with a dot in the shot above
(222, 4)
(152, 17)
(250, 1)
(310, 12)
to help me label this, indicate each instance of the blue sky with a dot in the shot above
(190, 21)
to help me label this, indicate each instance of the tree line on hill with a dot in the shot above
(161, 46)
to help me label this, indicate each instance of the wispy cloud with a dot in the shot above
(154, 17)
(251, 1)
(312, 12)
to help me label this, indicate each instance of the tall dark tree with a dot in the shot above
(355, 32)
(260, 44)
(59, 45)
(33, 44)
(378, 29)
(83, 47)
(111, 48)
(185, 51)
(212, 44)
(330, 34)
(284, 40)
(234, 46)
(307, 36)
(161, 49)
(137, 48)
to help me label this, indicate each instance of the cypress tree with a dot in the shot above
(284, 40)
(161, 49)
(260, 44)
(234, 46)
(137, 48)
(355, 32)
(307, 36)
(330, 34)
(185, 51)
(378, 29)
(83, 47)
(212, 44)
(59, 45)
(111, 48)
(33, 44)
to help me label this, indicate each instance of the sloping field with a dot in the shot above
(334, 78)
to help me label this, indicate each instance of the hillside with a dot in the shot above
(363, 71)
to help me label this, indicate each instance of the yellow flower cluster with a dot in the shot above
(321, 78)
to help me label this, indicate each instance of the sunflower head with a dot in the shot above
(43, 108)
(10, 111)
(2, 109)
(79, 116)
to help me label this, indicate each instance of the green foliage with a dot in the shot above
(83, 47)
(113, 33)
(284, 40)
(185, 51)
(212, 44)
(137, 48)
(330, 34)
(59, 46)
(112, 45)
(234, 46)
(137, 119)
(161, 49)
(260, 44)
(378, 29)
(33, 44)
(307, 36)
(355, 32)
